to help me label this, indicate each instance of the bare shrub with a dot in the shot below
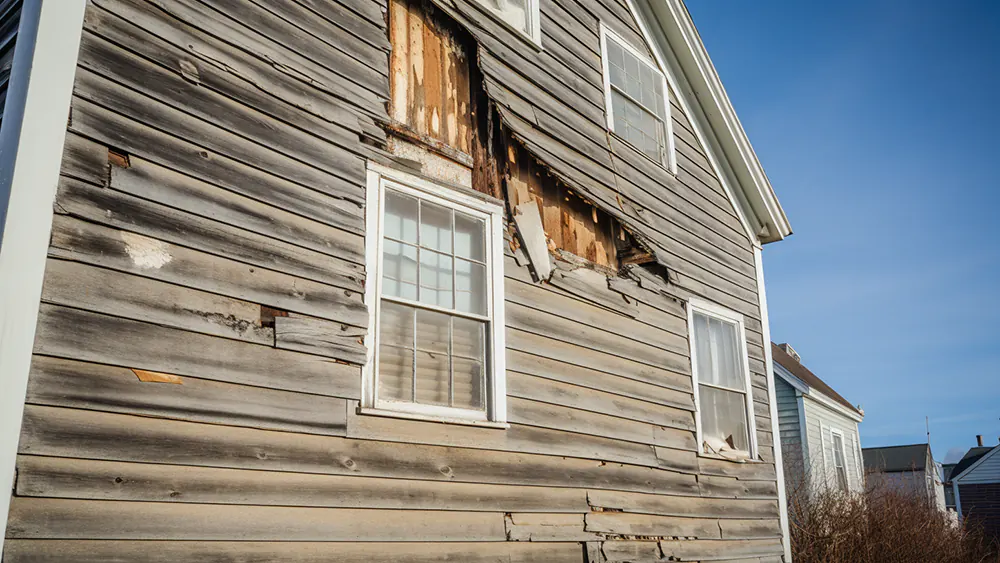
(881, 525)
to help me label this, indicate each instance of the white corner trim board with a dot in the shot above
(773, 404)
(31, 146)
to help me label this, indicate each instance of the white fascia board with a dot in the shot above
(972, 467)
(813, 394)
(773, 405)
(789, 378)
(31, 146)
(667, 26)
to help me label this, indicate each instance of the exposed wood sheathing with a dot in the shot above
(229, 252)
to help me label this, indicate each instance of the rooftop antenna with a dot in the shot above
(927, 420)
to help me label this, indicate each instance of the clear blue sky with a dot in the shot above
(877, 122)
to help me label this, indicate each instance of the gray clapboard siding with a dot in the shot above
(77, 240)
(67, 383)
(121, 481)
(92, 519)
(73, 433)
(84, 551)
(679, 506)
(75, 334)
(707, 550)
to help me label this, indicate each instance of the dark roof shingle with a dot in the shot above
(892, 459)
(809, 378)
(970, 457)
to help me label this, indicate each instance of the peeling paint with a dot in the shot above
(145, 252)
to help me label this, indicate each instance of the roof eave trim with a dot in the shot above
(729, 136)
(817, 395)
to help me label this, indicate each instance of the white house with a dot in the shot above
(820, 443)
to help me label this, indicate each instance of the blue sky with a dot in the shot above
(877, 122)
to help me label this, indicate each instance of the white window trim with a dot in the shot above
(713, 310)
(843, 454)
(669, 149)
(533, 35)
(495, 414)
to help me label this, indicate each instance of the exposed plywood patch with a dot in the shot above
(157, 377)
(429, 77)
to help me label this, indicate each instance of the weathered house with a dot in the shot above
(975, 488)
(909, 468)
(818, 428)
(359, 280)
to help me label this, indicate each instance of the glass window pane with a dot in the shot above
(395, 373)
(396, 324)
(718, 352)
(399, 270)
(436, 279)
(468, 338)
(435, 227)
(400, 221)
(702, 347)
(432, 378)
(432, 331)
(514, 12)
(469, 384)
(724, 417)
(470, 290)
(616, 56)
(470, 237)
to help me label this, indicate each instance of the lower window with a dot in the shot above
(436, 296)
(721, 381)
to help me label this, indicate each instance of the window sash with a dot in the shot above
(491, 384)
(711, 311)
(839, 460)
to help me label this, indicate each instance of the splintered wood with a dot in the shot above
(429, 76)
(570, 223)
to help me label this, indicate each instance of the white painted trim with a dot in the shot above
(772, 399)
(834, 432)
(958, 499)
(790, 378)
(31, 146)
(804, 430)
(495, 414)
(713, 310)
(979, 462)
(858, 462)
(822, 446)
(668, 123)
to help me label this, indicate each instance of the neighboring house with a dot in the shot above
(364, 281)
(951, 470)
(975, 488)
(908, 468)
(820, 443)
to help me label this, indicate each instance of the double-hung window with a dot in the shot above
(521, 15)
(721, 380)
(839, 460)
(436, 298)
(635, 93)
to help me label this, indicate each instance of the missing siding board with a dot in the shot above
(571, 223)
(118, 158)
(268, 314)
(429, 79)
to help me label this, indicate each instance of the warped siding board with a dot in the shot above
(91, 519)
(584, 357)
(548, 324)
(155, 183)
(51, 431)
(81, 551)
(81, 385)
(582, 398)
(640, 503)
(93, 244)
(338, 210)
(128, 213)
(707, 550)
(731, 487)
(623, 523)
(541, 367)
(75, 334)
(362, 18)
(77, 285)
(111, 96)
(102, 480)
(547, 527)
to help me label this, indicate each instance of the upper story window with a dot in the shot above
(436, 298)
(635, 93)
(521, 15)
(721, 381)
(839, 460)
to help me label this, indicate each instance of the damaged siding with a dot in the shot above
(200, 337)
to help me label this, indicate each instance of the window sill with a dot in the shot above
(747, 459)
(428, 418)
